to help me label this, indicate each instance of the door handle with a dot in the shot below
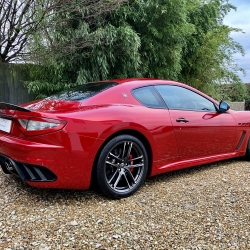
(182, 120)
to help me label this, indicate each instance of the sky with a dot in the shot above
(241, 19)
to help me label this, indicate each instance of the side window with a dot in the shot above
(177, 97)
(148, 97)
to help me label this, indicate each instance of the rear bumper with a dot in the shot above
(49, 166)
(25, 171)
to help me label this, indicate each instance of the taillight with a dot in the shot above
(40, 125)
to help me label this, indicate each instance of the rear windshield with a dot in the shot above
(82, 92)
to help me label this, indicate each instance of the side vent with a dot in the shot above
(243, 124)
(241, 140)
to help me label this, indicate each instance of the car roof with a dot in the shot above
(141, 81)
(138, 82)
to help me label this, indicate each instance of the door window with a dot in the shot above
(177, 97)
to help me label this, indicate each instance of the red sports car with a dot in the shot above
(115, 133)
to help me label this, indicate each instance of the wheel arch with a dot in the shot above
(131, 132)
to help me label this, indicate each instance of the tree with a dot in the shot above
(208, 55)
(81, 50)
(163, 28)
(174, 39)
(22, 20)
(140, 38)
(235, 92)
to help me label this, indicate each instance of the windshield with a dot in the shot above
(82, 92)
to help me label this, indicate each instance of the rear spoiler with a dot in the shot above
(9, 106)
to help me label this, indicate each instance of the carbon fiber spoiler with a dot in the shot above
(9, 106)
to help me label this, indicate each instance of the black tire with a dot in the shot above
(247, 155)
(122, 167)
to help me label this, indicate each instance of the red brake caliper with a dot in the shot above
(131, 163)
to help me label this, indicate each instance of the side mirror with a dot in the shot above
(223, 107)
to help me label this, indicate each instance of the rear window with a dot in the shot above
(82, 92)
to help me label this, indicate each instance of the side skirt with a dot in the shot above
(195, 162)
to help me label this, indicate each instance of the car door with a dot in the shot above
(200, 130)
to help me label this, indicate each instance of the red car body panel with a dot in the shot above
(70, 152)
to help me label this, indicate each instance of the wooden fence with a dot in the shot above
(12, 89)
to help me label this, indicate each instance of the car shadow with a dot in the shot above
(51, 196)
(190, 171)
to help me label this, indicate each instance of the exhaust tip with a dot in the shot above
(9, 165)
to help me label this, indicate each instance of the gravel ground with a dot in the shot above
(206, 207)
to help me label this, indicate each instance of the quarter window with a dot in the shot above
(177, 97)
(148, 97)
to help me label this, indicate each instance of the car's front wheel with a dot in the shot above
(121, 167)
(247, 155)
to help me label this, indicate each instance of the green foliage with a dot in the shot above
(208, 55)
(235, 92)
(163, 29)
(173, 39)
(247, 99)
(79, 51)
(114, 55)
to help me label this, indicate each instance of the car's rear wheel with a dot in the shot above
(121, 167)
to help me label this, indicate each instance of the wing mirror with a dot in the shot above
(223, 107)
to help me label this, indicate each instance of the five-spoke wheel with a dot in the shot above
(122, 166)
